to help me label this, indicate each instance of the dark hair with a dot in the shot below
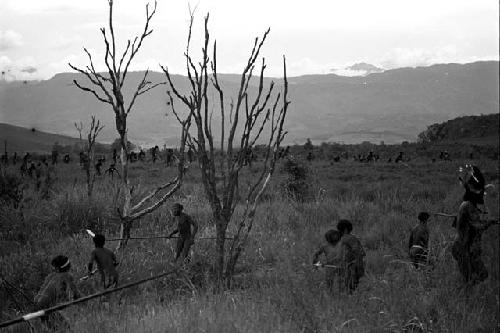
(99, 240)
(344, 226)
(61, 263)
(177, 206)
(332, 236)
(423, 216)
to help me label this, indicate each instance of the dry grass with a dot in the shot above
(276, 290)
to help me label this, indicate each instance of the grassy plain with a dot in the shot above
(276, 289)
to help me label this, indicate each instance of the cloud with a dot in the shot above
(10, 39)
(20, 69)
(413, 57)
(29, 69)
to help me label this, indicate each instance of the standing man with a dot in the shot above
(186, 235)
(467, 246)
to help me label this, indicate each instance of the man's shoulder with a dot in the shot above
(350, 240)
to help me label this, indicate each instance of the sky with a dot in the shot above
(38, 38)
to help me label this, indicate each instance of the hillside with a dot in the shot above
(482, 129)
(20, 139)
(391, 106)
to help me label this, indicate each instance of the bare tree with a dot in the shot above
(107, 88)
(79, 128)
(248, 119)
(95, 129)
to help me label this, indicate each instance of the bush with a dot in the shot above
(296, 185)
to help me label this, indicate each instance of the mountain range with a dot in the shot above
(390, 106)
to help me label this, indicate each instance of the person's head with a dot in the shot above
(423, 217)
(99, 240)
(332, 236)
(177, 209)
(61, 263)
(344, 227)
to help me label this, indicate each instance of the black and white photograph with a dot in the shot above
(220, 166)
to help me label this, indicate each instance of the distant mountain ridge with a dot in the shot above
(391, 106)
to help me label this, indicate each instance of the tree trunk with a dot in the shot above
(221, 224)
(125, 223)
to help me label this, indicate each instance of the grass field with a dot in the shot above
(276, 288)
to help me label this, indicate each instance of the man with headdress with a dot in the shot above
(58, 286)
(467, 246)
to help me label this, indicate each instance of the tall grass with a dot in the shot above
(276, 289)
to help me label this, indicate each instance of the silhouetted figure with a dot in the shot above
(111, 170)
(169, 156)
(98, 166)
(142, 155)
(115, 156)
(399, 158)
(31, 170)
(54, 156)
(190, 155)
(154, 153)
(5, 158)
(26, 158)
(14, 158)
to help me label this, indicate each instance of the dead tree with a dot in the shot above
(79, 128)
(248, 120)
(95, 129)
(108, 88)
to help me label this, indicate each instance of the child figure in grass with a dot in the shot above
(353, 266)
(106, 262)
(333, 258)
(187, 229)
(419, 241)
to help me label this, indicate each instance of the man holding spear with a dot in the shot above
(469, 224)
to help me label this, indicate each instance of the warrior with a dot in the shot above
(186, 235)
(106, 262)
(111, 170)
(353, 256)
(57, 287)
(333, 258)
(469, 224)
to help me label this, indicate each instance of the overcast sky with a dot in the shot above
(39, 37)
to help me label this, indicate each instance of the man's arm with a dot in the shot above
(317, 254)
(91, 262)
(195, 226)
(72, 290)
(173, 232)
(113, 256)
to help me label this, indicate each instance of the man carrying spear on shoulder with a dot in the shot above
(469, 224)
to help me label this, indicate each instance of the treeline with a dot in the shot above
(468, 127)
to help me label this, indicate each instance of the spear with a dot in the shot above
(319, 264)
